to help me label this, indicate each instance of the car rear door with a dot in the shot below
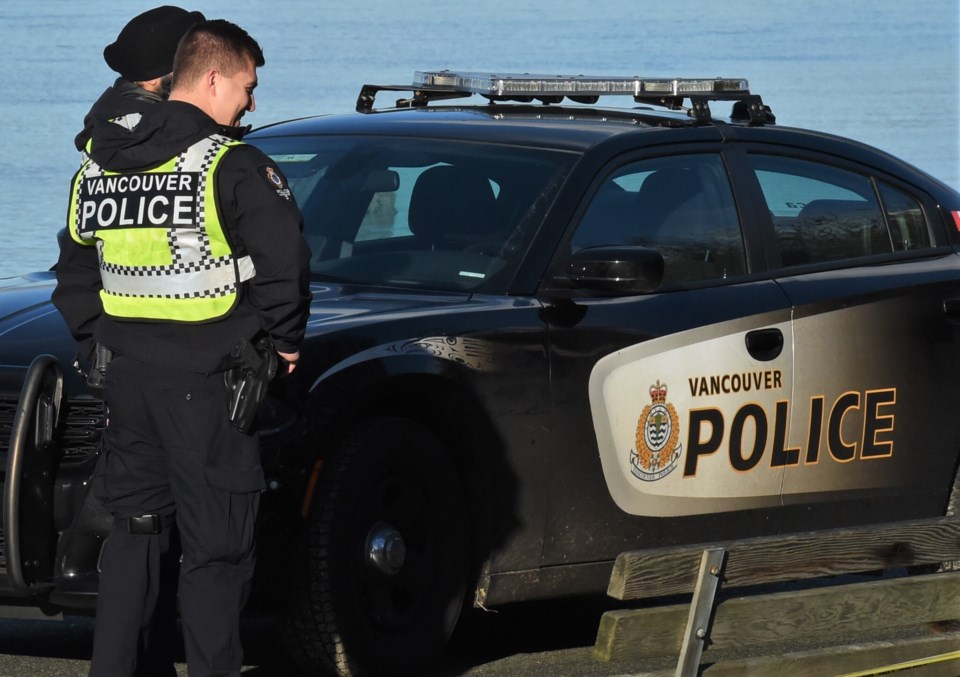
(666, 404)
(873, 431)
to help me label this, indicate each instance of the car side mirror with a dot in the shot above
(622, 270)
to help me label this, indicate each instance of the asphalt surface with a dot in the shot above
(552, 639)
(548, 638)
(61, 648)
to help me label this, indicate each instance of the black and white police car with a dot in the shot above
(544, 333)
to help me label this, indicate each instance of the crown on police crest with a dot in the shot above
(658, 392)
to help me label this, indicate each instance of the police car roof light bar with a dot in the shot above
(527, 84)
(525, 87)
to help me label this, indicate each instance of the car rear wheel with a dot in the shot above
(382, 577)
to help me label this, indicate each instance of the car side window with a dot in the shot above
(682, 206)
(908, 227)
(822, 213)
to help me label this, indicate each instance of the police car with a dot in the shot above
(546, 332)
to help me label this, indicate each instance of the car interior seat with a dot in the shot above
(837, 229)
(452, 208)
(689, 228)
(664, 194)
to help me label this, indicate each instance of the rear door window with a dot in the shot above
(823, 213)
(908, 227)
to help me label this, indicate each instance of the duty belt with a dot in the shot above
(149, 524)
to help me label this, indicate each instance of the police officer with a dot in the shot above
(142, 55)
(168, 275)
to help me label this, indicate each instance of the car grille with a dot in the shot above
(80, 430)
(82, 427)
(8, 410)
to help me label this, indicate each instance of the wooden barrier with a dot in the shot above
(816, 616)
(668, 571)
(794, 615)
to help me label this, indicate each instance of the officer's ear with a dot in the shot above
(155, 85)
(212, 79)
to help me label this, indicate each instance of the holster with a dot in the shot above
(98, 370)
(247, 382)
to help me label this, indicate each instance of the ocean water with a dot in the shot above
(882, 71)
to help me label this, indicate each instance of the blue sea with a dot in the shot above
(882, 71)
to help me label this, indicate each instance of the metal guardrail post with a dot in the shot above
(701, 609)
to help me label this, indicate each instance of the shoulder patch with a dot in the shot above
(276, 180)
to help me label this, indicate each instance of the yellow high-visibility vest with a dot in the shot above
(163, 251)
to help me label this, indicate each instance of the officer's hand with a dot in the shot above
(289, 362)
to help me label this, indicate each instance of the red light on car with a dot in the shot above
(956, 220)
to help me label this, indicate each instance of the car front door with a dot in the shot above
(667, 417)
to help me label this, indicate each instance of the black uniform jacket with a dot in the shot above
(121, 98)
(259, 219)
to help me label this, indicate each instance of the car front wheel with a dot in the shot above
(383, 574)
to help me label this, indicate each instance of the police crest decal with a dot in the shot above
(657, 441)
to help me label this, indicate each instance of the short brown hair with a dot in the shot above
(216, 44)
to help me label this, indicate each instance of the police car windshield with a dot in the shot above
(417, 213)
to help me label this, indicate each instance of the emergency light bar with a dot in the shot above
(527, 85)
(585, 89)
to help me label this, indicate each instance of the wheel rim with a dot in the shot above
(400, 551)
(386, 549)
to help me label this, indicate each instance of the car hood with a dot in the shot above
(25, 307)
(30, 325)
(337, 306)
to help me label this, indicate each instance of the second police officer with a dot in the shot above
(142, 55)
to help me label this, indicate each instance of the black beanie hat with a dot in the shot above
(145, 47)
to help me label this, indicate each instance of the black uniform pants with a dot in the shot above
(169, 450)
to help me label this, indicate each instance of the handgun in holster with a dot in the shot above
(247, 382)
(98, 370)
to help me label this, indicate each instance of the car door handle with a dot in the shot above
(764, 344)
(951, 307)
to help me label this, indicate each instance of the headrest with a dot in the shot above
(452, 204)
(837, 210)
(664, 192)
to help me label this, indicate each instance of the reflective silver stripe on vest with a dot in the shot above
(194, 272)
(199, 280)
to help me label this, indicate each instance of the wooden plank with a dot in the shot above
(632, 634)
(807, 615)
(876, 657)
(668, 571)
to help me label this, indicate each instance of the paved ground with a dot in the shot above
(552, 639)
(533, 639)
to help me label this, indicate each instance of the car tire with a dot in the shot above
(382, 575)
